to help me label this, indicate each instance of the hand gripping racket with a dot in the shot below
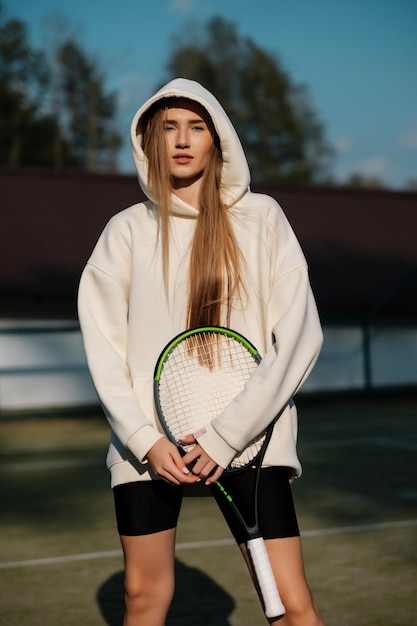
(196, 376)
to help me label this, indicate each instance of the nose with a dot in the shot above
(182, 139)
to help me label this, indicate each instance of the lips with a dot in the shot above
(183, 159)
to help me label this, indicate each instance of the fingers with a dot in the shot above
(177, 469)
(196, 465)
(188, 439)
(202, 465)
(215, 476)
(168, 464)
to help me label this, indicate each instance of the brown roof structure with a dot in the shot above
(361, 245)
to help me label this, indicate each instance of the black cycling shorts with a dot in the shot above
(276, 513)
(147, 507)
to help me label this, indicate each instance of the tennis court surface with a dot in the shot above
(60, 561)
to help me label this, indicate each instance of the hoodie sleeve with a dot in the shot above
(297, 339)
(103, 309)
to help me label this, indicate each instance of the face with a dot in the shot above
(189, 142)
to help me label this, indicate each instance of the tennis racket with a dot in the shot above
(196, 376)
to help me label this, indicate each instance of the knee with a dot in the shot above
(141, 595)
(302, 610)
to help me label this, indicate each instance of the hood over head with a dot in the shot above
(235, 173)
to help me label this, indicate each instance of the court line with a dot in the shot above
(408, 523)
(31, 466)
(192, 545)
(396, 443)
(385, 442)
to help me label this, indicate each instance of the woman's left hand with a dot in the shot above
(199, 462)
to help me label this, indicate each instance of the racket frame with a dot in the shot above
(273, 606)
(220, 330)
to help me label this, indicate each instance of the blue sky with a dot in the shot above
(358, 59)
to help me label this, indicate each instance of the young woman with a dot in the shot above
(202, 250)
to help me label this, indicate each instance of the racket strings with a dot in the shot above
(207, 349)
(200, 377)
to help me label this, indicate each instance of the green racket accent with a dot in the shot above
(224, 492)
(193, 331)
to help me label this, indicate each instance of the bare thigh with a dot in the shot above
(149, 561)
(287, 562)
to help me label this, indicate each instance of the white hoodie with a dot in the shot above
(126, 317)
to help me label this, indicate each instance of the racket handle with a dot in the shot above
(266, 579)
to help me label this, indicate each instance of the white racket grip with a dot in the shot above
(265, 576)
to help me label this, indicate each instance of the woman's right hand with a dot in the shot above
(168, 464)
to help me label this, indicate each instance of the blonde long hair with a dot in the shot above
(215, 269)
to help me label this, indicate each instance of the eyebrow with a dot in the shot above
(198, 120)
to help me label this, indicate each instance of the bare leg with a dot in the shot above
(149, 577)
(288, 566)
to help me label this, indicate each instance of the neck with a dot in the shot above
(188, 191)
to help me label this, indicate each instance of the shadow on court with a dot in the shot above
(198, 599)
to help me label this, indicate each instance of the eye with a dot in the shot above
(169, 127)
(198, 128)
